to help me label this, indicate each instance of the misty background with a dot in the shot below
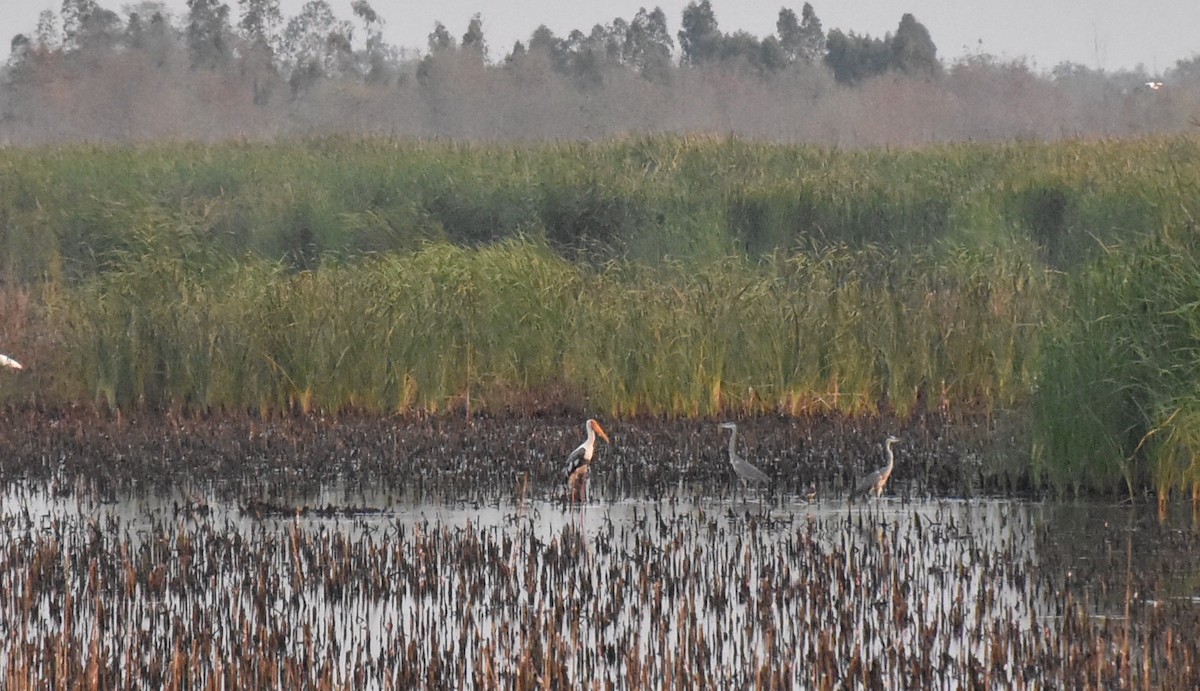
(247, 71)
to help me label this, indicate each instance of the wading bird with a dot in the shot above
(9, 362)
(748, 473)
(579, 463)
(878, 478)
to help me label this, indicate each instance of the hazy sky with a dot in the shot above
(1108, 34)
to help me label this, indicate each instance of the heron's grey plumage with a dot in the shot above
(878, 478)
(748, 473)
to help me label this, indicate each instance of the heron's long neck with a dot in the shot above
(733, 443)
(891, 457)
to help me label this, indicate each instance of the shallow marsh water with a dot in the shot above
(365, 590)
(433, 553)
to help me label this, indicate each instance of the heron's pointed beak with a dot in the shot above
(600, 431)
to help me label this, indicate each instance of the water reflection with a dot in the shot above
(374, 590)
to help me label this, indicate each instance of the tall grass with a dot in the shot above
(448, 327)
(642, 199)
(1118, 400)
(681, 276)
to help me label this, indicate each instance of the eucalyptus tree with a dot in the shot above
(208, 33)
(700, 38)
(913, 50)
(648, 44)
(803, 39)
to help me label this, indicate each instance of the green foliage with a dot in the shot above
(589, 218)
(638, 199)
(854, 58)
(699, 39)
(448, 327)
(802, 40)
(1117, 397)
(1045, 211)
(913, 51)
(652, 275)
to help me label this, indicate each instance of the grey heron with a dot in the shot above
(579, 463)
(748, 473)
(878, 478)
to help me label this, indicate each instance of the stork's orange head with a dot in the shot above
(598, 430)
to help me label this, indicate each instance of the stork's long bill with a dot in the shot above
(594, 428)
(580, 462)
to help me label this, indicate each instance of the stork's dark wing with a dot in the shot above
(575, 460)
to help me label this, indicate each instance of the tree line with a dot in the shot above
(317, 44)
(218, 71)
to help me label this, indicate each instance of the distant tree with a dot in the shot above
(913, 51)
(75, 14)
(544, 42)
(615, 35)
(515, 55)
(1186, 72)
(473, 40)
(1096, 91)
(135, 33)
(440, 44)
(375, 52)
(605, 47)
(1074, 71)
(740, 49)
(584, 57)
(316, 44)
(772, 57)
(648, 44)
(87, 25)
(24, 50)
(787, 27)
(18, 48)
(440, 39)
(149, 30)
(700, 38)
(208, 33)
(854, 58)
(811, 44)
(47, 35)
(363, 10)
(260, 23)
(744, 51)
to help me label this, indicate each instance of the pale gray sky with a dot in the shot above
(1107, 34)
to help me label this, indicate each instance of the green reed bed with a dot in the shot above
(447, 327)
(65, 209)
(1117, 405)
(683, 276)
(1117, 400)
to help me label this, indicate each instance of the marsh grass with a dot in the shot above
(677, 275)
(448, 327)
(639, 199)
(1117, 397)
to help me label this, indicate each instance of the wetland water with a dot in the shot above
(729, 593)
(271, 579)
